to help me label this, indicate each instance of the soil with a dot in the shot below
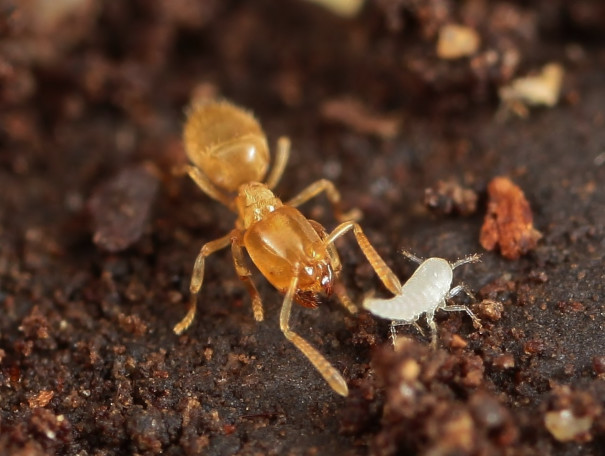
(98, 239)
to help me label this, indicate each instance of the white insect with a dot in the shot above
(428, 290)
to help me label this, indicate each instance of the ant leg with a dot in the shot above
(386, 275)
(321, 232)
(474, 258)
(410, 256)
(339, 287)
(197, 278)
(343, 297)
(204, 184)
(327, 371)
(324, 185)
(244, 275)
(281, 159)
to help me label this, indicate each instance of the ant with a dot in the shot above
(230, 157)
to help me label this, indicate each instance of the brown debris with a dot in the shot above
(353, 114)
(449, 197)
(509, 221)
(121, 208)
(541, 89)
(41, 399)
(456, 41)
(488, 309)
(424, 391)
(598, 365)
(35, 325)
(344, 8)
(504, 361)
(572, 415)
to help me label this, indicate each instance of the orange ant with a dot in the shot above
(230, 158)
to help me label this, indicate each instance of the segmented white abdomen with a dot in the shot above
(423, 292)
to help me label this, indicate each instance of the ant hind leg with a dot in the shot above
(281, 159)
(204, 184)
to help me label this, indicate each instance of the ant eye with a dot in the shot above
(310, 271)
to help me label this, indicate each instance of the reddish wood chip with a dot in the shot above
(509, 221)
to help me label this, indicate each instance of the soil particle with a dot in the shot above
(451, 197)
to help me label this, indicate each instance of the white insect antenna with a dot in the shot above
(429, 289)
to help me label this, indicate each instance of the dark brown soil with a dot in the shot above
(97, 240)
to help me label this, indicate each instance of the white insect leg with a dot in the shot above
(474, 258)
(419, 328)
(396, 323)
(410, 256)
(430, 321)
(462, 288)
(453, 308)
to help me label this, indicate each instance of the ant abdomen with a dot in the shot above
(227, 143)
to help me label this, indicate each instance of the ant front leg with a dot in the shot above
(244, 275)
(386, 275)
(197, 279)
(324, 185)
(327, 371)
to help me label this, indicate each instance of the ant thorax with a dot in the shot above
(254, 202)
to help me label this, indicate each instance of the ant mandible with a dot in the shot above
(230, 157)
